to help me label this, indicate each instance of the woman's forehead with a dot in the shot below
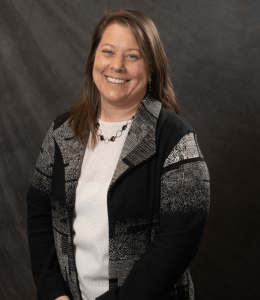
(116, 35)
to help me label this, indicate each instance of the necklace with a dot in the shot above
(112, 139)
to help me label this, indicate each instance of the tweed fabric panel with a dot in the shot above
(152, 105)
(41, 183)
(185, 149)
(61, 242)
(70, 192)
(72, 170)
(127, 242)
(146, 122)
(143, 137)
(128, 239)
(185, 189)
(41, 179)
(186, 186)
(60, 217)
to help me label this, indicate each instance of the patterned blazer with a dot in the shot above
(158, 204)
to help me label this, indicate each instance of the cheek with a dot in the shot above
(140, 74)
(100, 63)
(141, 79)
(97, 64)
(96, 68)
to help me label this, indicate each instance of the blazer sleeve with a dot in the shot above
(184, 208)
(44, 262)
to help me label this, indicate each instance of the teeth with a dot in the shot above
(116, 80)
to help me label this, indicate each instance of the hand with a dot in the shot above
(62, 298)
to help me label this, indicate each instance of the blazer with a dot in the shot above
(157, 201)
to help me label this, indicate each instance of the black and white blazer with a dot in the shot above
(158, 203)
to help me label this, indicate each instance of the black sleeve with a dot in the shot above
(184, 208)
(44, 263)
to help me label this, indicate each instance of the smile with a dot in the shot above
(117, 81)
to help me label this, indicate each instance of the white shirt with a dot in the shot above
(90, 220)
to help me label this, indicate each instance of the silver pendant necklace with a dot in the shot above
(112, 139)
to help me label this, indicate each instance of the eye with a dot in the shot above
(133, 55)
(108, 51)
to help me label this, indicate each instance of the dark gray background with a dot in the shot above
(213, 48)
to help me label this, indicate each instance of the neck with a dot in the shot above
(110, 113)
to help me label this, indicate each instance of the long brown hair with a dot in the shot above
(85, 111)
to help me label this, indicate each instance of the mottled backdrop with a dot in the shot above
(213, 49)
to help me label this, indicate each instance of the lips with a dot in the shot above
(116, 78)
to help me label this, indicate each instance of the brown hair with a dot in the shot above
(85, 111)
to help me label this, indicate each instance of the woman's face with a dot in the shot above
(115, 58)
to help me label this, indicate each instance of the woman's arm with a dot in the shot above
(184, 207)
(44, 263)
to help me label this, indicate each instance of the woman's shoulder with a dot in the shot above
(173, 124)
(60, 119)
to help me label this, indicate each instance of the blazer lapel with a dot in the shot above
(140, 144)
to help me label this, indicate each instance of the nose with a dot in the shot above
(117, 63)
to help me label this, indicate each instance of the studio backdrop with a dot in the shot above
(213, 49)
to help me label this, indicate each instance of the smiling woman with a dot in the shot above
(126, 46)
(120, 76)
(119, 198)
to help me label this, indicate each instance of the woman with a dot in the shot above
(119, 198)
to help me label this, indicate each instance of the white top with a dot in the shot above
(90, 220)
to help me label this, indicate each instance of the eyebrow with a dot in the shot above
(126, 49)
